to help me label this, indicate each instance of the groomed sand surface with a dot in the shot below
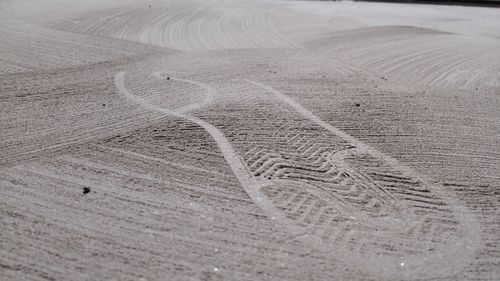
(248, 140)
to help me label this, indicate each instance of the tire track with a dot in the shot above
(345, 199)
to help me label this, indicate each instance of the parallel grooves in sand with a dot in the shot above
(181, 27)
(427, 57)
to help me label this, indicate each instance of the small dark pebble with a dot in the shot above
(86, 190)
(103, 104)
(168, 78)
(357, 104)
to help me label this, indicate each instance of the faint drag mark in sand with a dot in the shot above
(332, 223)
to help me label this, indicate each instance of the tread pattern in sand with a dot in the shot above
(328, 189)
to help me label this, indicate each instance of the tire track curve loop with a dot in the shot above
(390, 266)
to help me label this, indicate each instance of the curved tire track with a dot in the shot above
(358, 204)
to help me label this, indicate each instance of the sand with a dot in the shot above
(248, 140)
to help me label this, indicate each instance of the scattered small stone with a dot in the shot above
(103, 104)
(168, 78)
(86, 190)
(357, 104)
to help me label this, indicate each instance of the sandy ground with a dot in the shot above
(248, 140)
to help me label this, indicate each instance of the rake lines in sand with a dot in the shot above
(181, 27)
